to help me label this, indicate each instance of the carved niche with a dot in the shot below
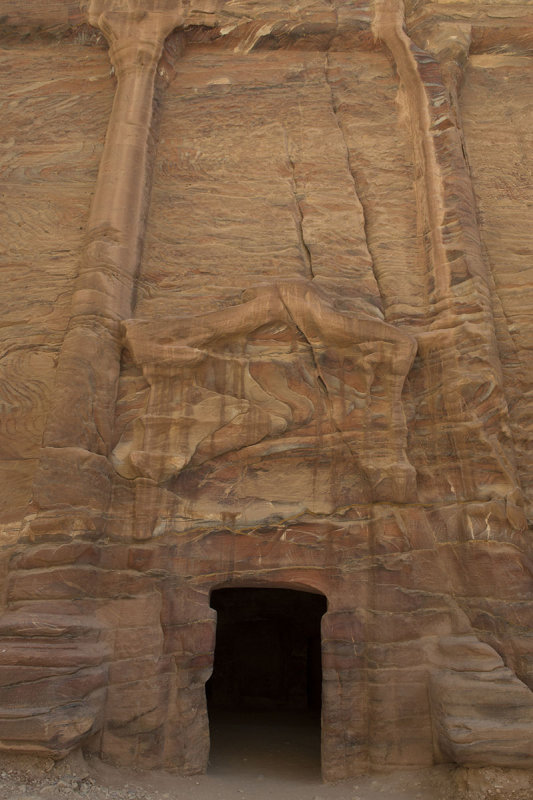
(275, 406)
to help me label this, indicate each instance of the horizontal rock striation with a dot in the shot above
(267, 292)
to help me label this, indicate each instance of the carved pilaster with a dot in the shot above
(459, 302)
(81, 418)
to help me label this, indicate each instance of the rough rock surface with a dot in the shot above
(267, 323)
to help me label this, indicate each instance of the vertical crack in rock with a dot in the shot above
(299, 214)
(497, 302)
(358, 197)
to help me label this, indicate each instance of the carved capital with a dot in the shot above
(136, 35)
(449, 44)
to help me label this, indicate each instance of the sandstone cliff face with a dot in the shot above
(57, 100)
(267, 289)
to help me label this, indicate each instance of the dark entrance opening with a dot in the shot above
(264, 697)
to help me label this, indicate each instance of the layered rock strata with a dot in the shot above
(294, 355)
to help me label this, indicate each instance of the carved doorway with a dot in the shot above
(265, 695)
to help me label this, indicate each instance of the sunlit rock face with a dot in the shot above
(267, 324)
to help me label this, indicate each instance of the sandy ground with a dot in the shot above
(260, 761)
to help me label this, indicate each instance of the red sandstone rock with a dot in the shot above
(295, 355)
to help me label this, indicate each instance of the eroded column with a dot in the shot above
(463, 393)
(72, 487)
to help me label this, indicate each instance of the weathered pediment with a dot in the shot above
(281, 384)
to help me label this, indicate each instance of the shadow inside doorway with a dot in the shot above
(264, 697)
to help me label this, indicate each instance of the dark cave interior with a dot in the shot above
(264, 697)
(267, 653)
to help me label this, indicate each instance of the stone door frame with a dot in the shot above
(340, 729)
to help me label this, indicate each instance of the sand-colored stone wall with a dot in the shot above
(497, 114)
(267, 323)
(56, 99)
